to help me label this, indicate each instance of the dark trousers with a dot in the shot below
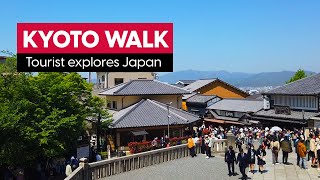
(192, 154)
(298, 159)
(231, 167)
(243, 172)
(208, 151)
(285, 157)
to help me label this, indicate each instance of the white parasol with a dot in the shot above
(275, 128)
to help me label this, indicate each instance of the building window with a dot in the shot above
(296, 102)
(118, 81)
(109, 104)
(102, 78)
(114, 104)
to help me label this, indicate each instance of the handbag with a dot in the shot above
(275, 149)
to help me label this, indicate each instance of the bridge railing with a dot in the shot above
(109, 167)
(220, 145)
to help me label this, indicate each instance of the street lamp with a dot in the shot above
(168, 104)
(304, 122)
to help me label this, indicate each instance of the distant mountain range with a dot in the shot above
(235, 78)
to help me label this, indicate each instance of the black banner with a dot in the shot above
(95, 62)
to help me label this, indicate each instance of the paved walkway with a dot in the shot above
(199, 168)
(285, 172)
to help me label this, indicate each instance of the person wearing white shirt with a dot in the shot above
(68, 169)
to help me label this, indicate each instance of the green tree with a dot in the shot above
(300, 74)
(42, 116)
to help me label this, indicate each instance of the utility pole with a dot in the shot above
(168, 121)
(304, 122)
(168, 105)
(98, 132)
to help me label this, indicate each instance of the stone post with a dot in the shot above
(231, 140)
(85, 165)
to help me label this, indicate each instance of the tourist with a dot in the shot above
(266, 142)
(242, 160)
(203, 145)
(261, 153)
(256, 142)
(286, 149)
(296, 142)
(318, 154)
(251, 158)
(68, 169)
(163, 142)
(312, 150)
(167, 140)
(208, 149)
(230, 158)
(191, 145)
(239, 141)
(275, 147)
(302, 150)
(154, 143)
(307, 143)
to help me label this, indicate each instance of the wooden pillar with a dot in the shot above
(144, 138)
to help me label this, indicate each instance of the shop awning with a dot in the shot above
(139, 133)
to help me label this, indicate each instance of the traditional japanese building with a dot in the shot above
(143, 109)
(198, 103)
(110, 79)
(212, 87)
(233, 111)
(291, 105)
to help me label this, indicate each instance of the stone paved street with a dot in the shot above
(200, 168)
(285, 172)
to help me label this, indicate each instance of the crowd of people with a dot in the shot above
(252, 144)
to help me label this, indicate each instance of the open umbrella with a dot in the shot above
(275, 128)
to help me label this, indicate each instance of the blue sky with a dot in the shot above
(237, 36)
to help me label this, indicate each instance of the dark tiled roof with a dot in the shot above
(204, 82)
(198, 84)
(306, 86)
(294, 114)
(143, 87)
(178, 85)
(148, 113)
(198, 98)
(255, 96)
(238, 105)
